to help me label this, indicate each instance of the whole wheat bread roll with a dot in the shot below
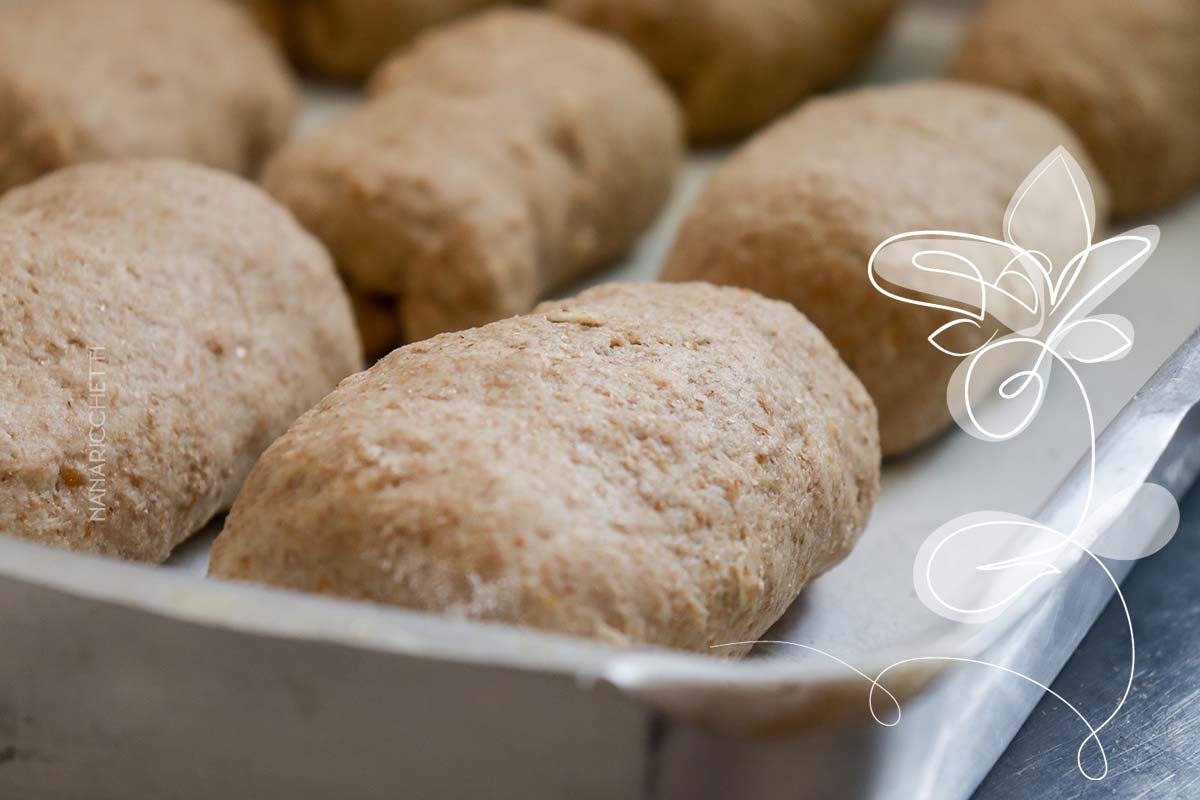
(85, 80)
(160, 324)
(643, 463)
(1124, 75)
(736, 65)
(346, 39)
(796, 213)
(501, 157)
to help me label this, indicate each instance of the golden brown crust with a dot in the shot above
(477, 178)
(796, 213)
(646, 463)
(160, 324)
(1124, 75)
(82, 80)
(736, 65)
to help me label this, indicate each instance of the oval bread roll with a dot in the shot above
(501, 157)
(736, 65)
(160, 324)
(348, 38)
(85, 80)
(796, 213)
(644, 463)
(1123, 75)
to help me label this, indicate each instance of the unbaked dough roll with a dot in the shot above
(160, 324)
(501, 157)
(643, 463)
(1124, 75)
(348, 38)
(736, 65)
(796, 213)
(85, 80)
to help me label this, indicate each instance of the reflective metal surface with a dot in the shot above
(953, 732)
(1154, 746)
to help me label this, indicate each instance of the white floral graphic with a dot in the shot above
(1021, 307)
(1024, 306)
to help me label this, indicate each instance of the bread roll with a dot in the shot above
(500, 158)
(85, 80)
(644, 463)
(736, 65)
(161, 323)
(796, 213)
(1122, 74)
(347, 39)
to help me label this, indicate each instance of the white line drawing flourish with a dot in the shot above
(1021, 307)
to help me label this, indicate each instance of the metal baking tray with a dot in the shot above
(125, 681)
